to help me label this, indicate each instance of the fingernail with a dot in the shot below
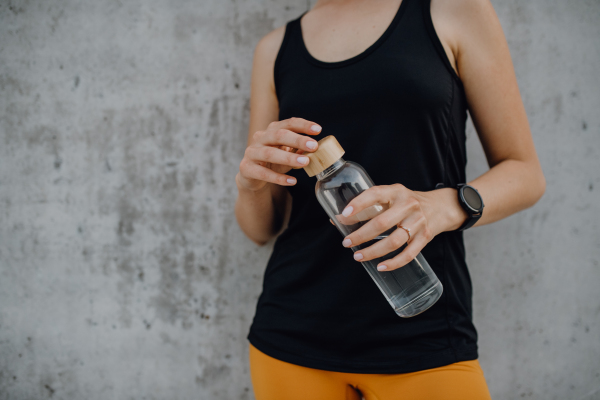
(311, 145)
(302, 160)
(315, 128)
(347, 243)
(381, 268)
(347, 211)
(291, 180)
(358, 256)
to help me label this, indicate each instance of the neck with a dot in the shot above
(331, 169)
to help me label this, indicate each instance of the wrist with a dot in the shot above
(452, 215)
(244, 188)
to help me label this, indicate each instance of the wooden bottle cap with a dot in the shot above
(329, 151)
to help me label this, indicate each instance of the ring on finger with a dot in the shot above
(407, 230)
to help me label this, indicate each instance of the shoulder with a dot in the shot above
(464, 10)
(263, 98)
(265, 54)
(467, 27)
(268, 46)
(465, 20)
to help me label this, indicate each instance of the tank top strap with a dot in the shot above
(435, 39)
(289, 51)
(293, 33)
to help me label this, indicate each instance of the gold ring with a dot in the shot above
(407, 232)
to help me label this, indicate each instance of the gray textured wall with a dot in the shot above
(123, 273)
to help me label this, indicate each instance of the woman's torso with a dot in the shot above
(399, 110)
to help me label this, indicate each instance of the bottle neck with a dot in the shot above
(331, 169)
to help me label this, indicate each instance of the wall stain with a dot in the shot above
(46, 138)
(10, 84)
(128, 215)
(50, 390)
(187, 25)
(189, 179)
(251, 28)
(125, 287)
(16, 9)
(174, 301)
(212, 373)
(213, 117)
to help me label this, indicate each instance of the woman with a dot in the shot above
(392, 81)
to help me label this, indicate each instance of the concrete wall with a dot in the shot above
(123, 274)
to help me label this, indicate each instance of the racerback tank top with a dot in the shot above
(399, 110)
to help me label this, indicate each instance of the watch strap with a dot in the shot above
(472, 217)
(471, 220)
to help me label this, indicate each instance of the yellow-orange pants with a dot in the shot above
(273, 379)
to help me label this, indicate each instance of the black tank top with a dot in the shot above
(399, 110)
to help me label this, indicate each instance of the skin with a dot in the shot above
(336, 30)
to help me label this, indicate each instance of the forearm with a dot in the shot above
(257, 214)
(507, 188)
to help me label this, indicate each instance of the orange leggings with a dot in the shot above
(273, 379)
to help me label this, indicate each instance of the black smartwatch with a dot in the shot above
(470, 200)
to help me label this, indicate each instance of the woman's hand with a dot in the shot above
(274, 151)
(426, 214)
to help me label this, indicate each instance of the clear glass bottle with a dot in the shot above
(411, 289)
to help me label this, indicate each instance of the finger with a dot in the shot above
(374, 227)
(287, 138)
(292, 150)
(331, 222)
(364, 215)
(299, 125)
(382, 247)
(255, 171)
(374, 195)
(409, 253)
(381, 223)
(275, 156)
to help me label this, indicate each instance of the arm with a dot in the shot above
(260, 212)
(474, 42)
(263, 204)
(471, 29)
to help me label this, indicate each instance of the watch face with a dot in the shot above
(472, 198)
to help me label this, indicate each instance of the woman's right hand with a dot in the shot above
(274, 151)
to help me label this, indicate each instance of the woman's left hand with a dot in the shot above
(426, 214)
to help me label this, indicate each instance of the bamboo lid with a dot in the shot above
(329, 151)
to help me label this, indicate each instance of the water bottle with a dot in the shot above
(411, 289)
